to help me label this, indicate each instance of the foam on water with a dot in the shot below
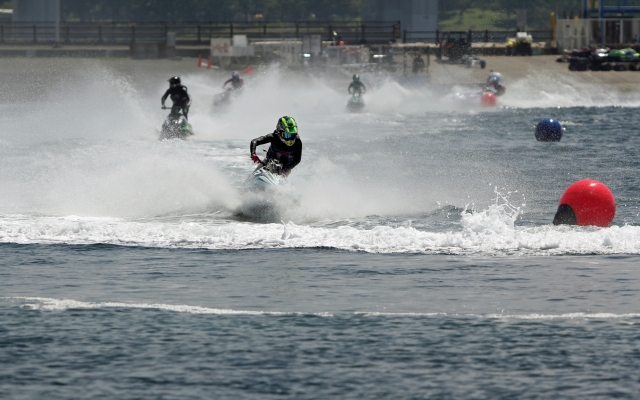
(104, 178)
(396, 179)
(531, 317)
(537, 90)
(48, 304)
(540, 90)
(491, 231)
(266, 96)
(52, 304)
(98, 105)
(137, 179)
(110, 165)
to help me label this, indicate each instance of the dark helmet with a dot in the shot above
(288, 130)
(356, 78)
(174, 80)
(235, 74)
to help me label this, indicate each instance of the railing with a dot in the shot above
(474, 36)
(196, 33)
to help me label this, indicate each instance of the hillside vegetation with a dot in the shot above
(453, 14)
(501, 14)
(210, 10)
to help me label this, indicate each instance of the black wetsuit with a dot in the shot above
(179, 97)
(358, 87)
(288, 156)
(236, 83)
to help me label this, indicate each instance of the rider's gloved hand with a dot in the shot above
(255, 158)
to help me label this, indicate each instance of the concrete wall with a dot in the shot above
(35, 10)
(414, 15)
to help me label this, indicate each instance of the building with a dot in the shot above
(602, 24)
(414, 15)
(43, 11)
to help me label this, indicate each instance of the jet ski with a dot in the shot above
(267, 176)
(267, 195)
(477, 99)
(355, 103)
(176, 126)
(224, 99)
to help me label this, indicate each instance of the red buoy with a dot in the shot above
(586, 202)
(488, 100)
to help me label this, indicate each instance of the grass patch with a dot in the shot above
(477, 19)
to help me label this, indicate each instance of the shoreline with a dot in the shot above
(514, 68)
(518, 68)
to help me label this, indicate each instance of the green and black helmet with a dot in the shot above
(288, 130)
(356, 78)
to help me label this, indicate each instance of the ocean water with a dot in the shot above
(414, 256)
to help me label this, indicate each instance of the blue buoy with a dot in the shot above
(548, 130)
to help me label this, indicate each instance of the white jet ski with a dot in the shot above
(267, 176)
(267, 195)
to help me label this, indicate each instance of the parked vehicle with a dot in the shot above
(520, 45)
(598, 59)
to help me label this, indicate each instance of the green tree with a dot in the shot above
(209, 10)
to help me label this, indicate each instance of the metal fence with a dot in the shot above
(196, 32)
(485, 36)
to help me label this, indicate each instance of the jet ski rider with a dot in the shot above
(495, 84)
(286, 147)
(235, 80)
(356, 87)
(179, 96)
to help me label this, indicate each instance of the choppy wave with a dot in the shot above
(49, 304)
(491, 232)
(354, 167)
(539, 89)
(52, 304)
(531, 316)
